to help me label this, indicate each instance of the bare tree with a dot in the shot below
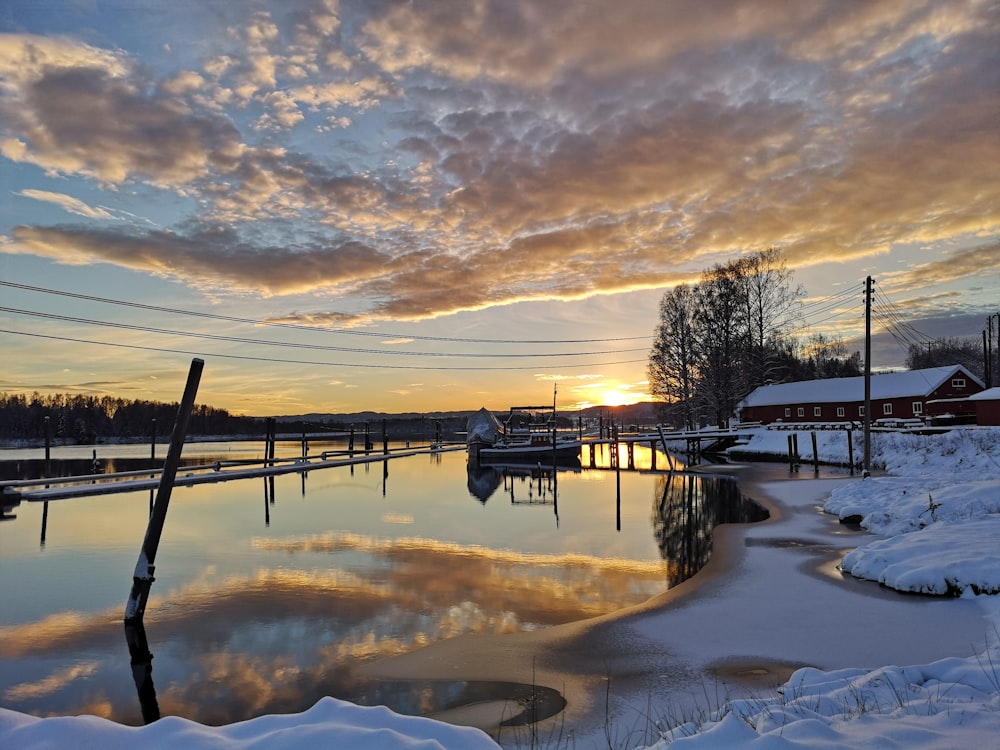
(673, 361)
(721, 336)
(967, 352)
(770, 304)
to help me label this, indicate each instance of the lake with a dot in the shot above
(270, 592)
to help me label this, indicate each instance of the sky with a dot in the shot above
(421, 206)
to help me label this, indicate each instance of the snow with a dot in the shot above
(935, 523)
(329, 723)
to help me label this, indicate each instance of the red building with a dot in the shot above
(987, 405)
(896, 395)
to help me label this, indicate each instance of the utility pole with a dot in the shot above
(866, 468)
(988, 347)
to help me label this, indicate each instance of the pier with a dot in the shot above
(85, 485)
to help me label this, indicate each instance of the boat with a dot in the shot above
(527, 436)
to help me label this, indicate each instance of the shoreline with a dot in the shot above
(733, 630)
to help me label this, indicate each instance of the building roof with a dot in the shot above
(850, 390)
(990, 394)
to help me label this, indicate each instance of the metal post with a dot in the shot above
(142, 578)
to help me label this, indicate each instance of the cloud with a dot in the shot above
(67, 203)
(530, 151)
(979, 261)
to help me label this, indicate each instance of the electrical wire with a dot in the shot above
(299, 326)
(276, 360)
(291, 345)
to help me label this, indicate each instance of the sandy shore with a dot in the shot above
(769, 601)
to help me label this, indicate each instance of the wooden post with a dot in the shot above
(305, 444)
(815, 453)
(142, 578)
(850, 450)
(791, 454)
(385, 439)
(48, 448)
(152, 462)
(868, 377)
(350, 442)
(272, 438)
(795, 449)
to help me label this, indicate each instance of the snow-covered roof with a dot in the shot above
(847, 390)
(990, 394)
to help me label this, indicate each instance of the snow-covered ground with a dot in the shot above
(937, 519)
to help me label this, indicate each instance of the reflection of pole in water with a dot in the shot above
(267, 505)
(48, 470)
(142, 670)
(555, 494)
(385, 476)
(618, 495)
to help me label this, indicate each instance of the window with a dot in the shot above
(958, 382)
(800, 412)
(918, 408)
(817, 411)
(840, 411)
(887, 410)
(861, 411)
(788, 411)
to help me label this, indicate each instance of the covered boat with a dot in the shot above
(527, 436)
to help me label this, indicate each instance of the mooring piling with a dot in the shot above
(142, 578)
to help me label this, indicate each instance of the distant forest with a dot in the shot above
(86, 419)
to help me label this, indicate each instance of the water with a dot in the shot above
(269, 593)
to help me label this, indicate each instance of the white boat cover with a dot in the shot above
(482, 427)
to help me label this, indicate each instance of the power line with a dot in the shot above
(291, 345)
(306, 362)
(299, 326)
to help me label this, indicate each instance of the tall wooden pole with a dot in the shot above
(868, 377)
(142, 578)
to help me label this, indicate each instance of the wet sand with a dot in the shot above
(769, 601)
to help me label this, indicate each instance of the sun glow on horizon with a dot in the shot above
(609, 394)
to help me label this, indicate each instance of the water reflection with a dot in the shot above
(686, 510)
(256, 615)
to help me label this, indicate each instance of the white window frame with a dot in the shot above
(800, 411)
(886, 410)
(840, 411)
(817, 411)
(861, 411)
(788, 411)
(918, 408)
(958, 382)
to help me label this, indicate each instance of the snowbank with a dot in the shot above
(947, 704)
(939, 514)
(329, 723)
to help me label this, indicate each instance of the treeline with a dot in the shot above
(86, 419)
(719, 339)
